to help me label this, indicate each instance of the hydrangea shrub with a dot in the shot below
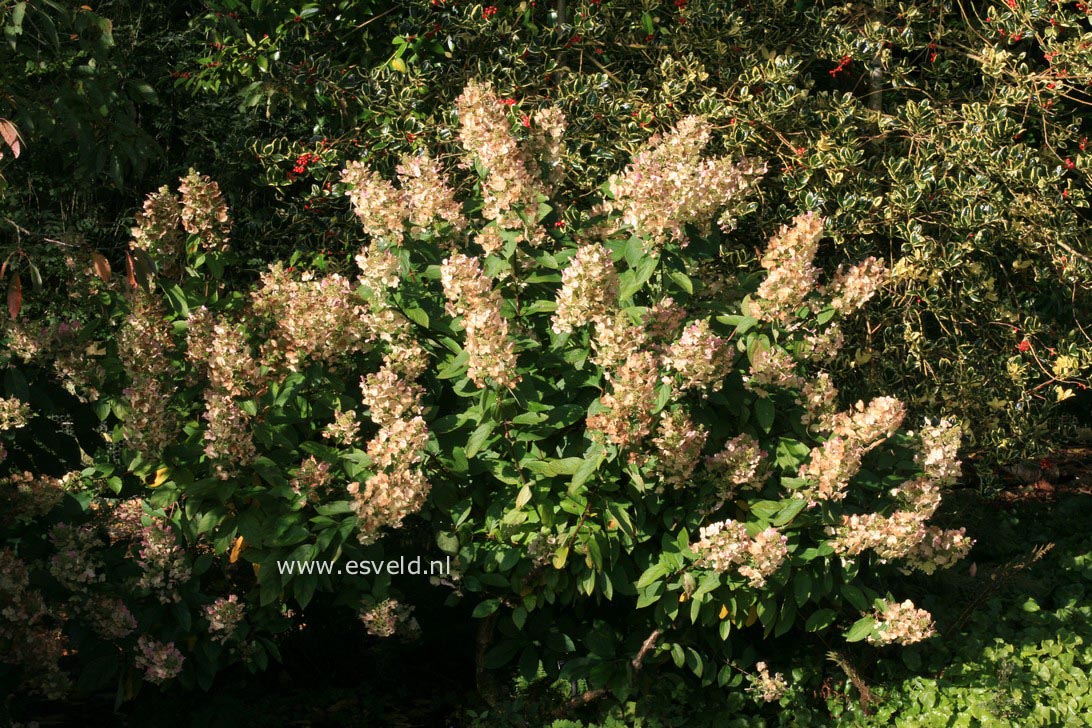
(632, 456)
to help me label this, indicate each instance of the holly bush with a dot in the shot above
(634, 457)
(947, 139)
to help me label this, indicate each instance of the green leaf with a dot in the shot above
(587, 468)
(683, 281)
(417, 316)
(820, 620)
(860, 629)
(478, 437)
(801, 586)
(524, 496)
(484, 609)
(764, 413)
(653, 573)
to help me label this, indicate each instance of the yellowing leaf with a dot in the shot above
(723, 611)
(1062, 393)
(256, 567)
(160, 477)
(752, 616)
(101, 266)
(236, 549)
(398, 64)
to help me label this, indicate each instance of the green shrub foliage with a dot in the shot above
(634, 458)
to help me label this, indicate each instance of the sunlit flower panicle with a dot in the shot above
(668, 185)
(664, 321)
(229, 442)
(489, 240)
(547, 130)
(157, 229)
(722, 546)
(791, 274)
(204, 212)
(224, 615)
(14, 413)
(772, 367)
(144, 343)
(939, 549)
(769, 688)
(589, 289)
(426, 194)
(470, 294)
(614, 338)
(399, 444)
(890, 537)
(627, 418)
(725, 546)
(829, 470)
(819, 398)
(76, 564)
(824, 345)
(678, 444)
(379, 206)
(388, 618)
(199, 335)
(26, 339)
(869, 425)
(510, 186)
(344, 430)
(313, 319)
(231, 366)
(921, 496)
(739, 464)
(902, 624)
(386, 499)
(160, 661)
(390, 396)
(163, 563)
(853, 287)
(767, 551)
(938, 457)
(699, 357)
(407, 358)
(379, 270)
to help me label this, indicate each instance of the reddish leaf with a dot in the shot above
(129, 270)
(11, 136)
(101, 266)
(15, 296)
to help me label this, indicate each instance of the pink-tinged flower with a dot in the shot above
(161, 661)
(470, 294)
(768, 687)
(626, 418)
(902, 624)
(725, 546)
(204, 212)
(224, 615)
(589, 289)
(668, 185)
